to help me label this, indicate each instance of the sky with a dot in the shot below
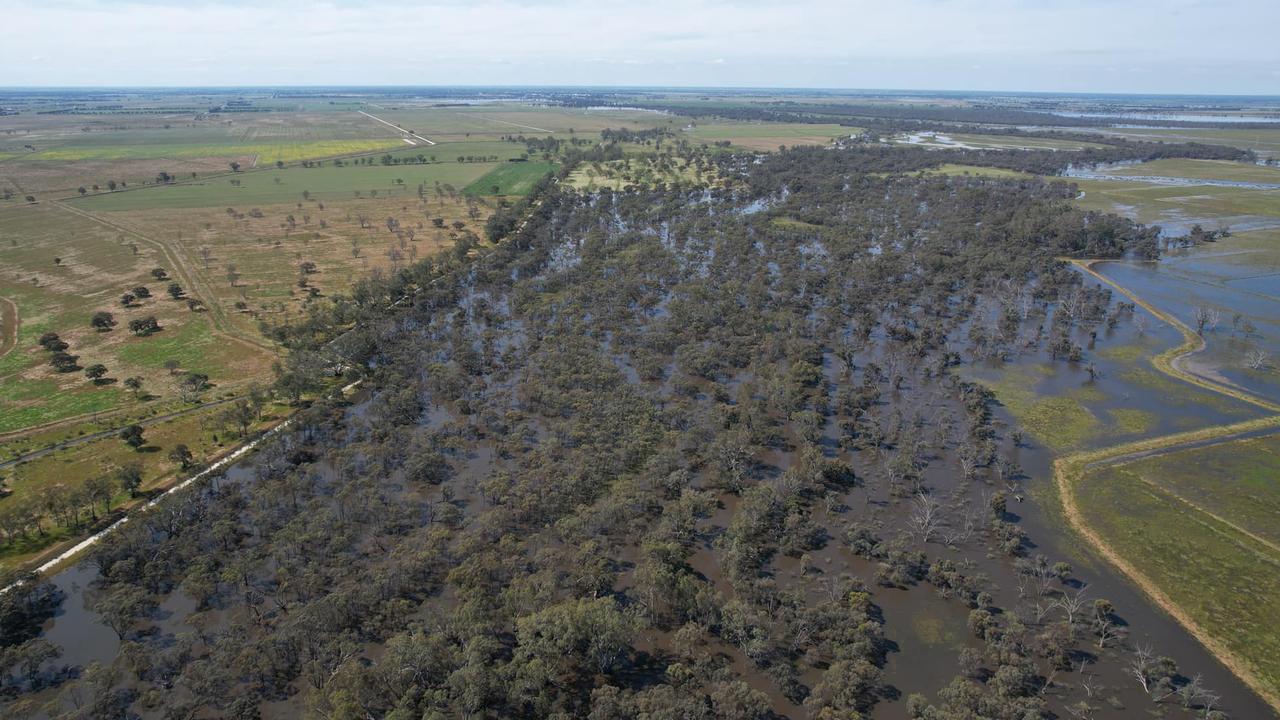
(1125, 46)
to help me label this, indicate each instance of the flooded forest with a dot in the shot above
(668, 452)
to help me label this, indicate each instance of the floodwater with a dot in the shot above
(927, 630)
(1103, 172)
(1171, 117)
(75, 628)
(1245, 296)
(1172, 406)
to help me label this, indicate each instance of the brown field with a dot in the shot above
(267, 252)
(62, 178)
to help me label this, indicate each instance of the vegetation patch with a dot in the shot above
(1060, 422)
(1228, 582)
(287, 152)
(1127, 354)
(1132, 421)
(510, 179)
(955, 169)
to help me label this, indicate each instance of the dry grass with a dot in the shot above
(267, 253)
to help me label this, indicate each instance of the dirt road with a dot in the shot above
(397, 127)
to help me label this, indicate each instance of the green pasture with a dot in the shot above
(1235, 481)
(266, 187)
(1228, 581)
(266, 153)
(510, 179)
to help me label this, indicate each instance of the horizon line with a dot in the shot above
(631, 87)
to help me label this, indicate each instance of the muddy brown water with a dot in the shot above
(927, 630)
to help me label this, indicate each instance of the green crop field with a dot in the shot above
(510, 179)
(1201, 525)
(498, 150)
(272, 186)
(265, 153)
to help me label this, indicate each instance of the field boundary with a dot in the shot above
(1070, 469)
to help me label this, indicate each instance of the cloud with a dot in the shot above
(964, 44)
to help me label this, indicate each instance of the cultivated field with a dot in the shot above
(68, 472)
(342, 240)
(495, 121)
(246, 247)
(1201, 525)
(509, 179)
(41, 154)
(293, 184)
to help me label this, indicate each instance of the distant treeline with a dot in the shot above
(885, 116)
(879, 158)
(855, 114)
(1050, 162)
(628, 135)
(120, 111)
